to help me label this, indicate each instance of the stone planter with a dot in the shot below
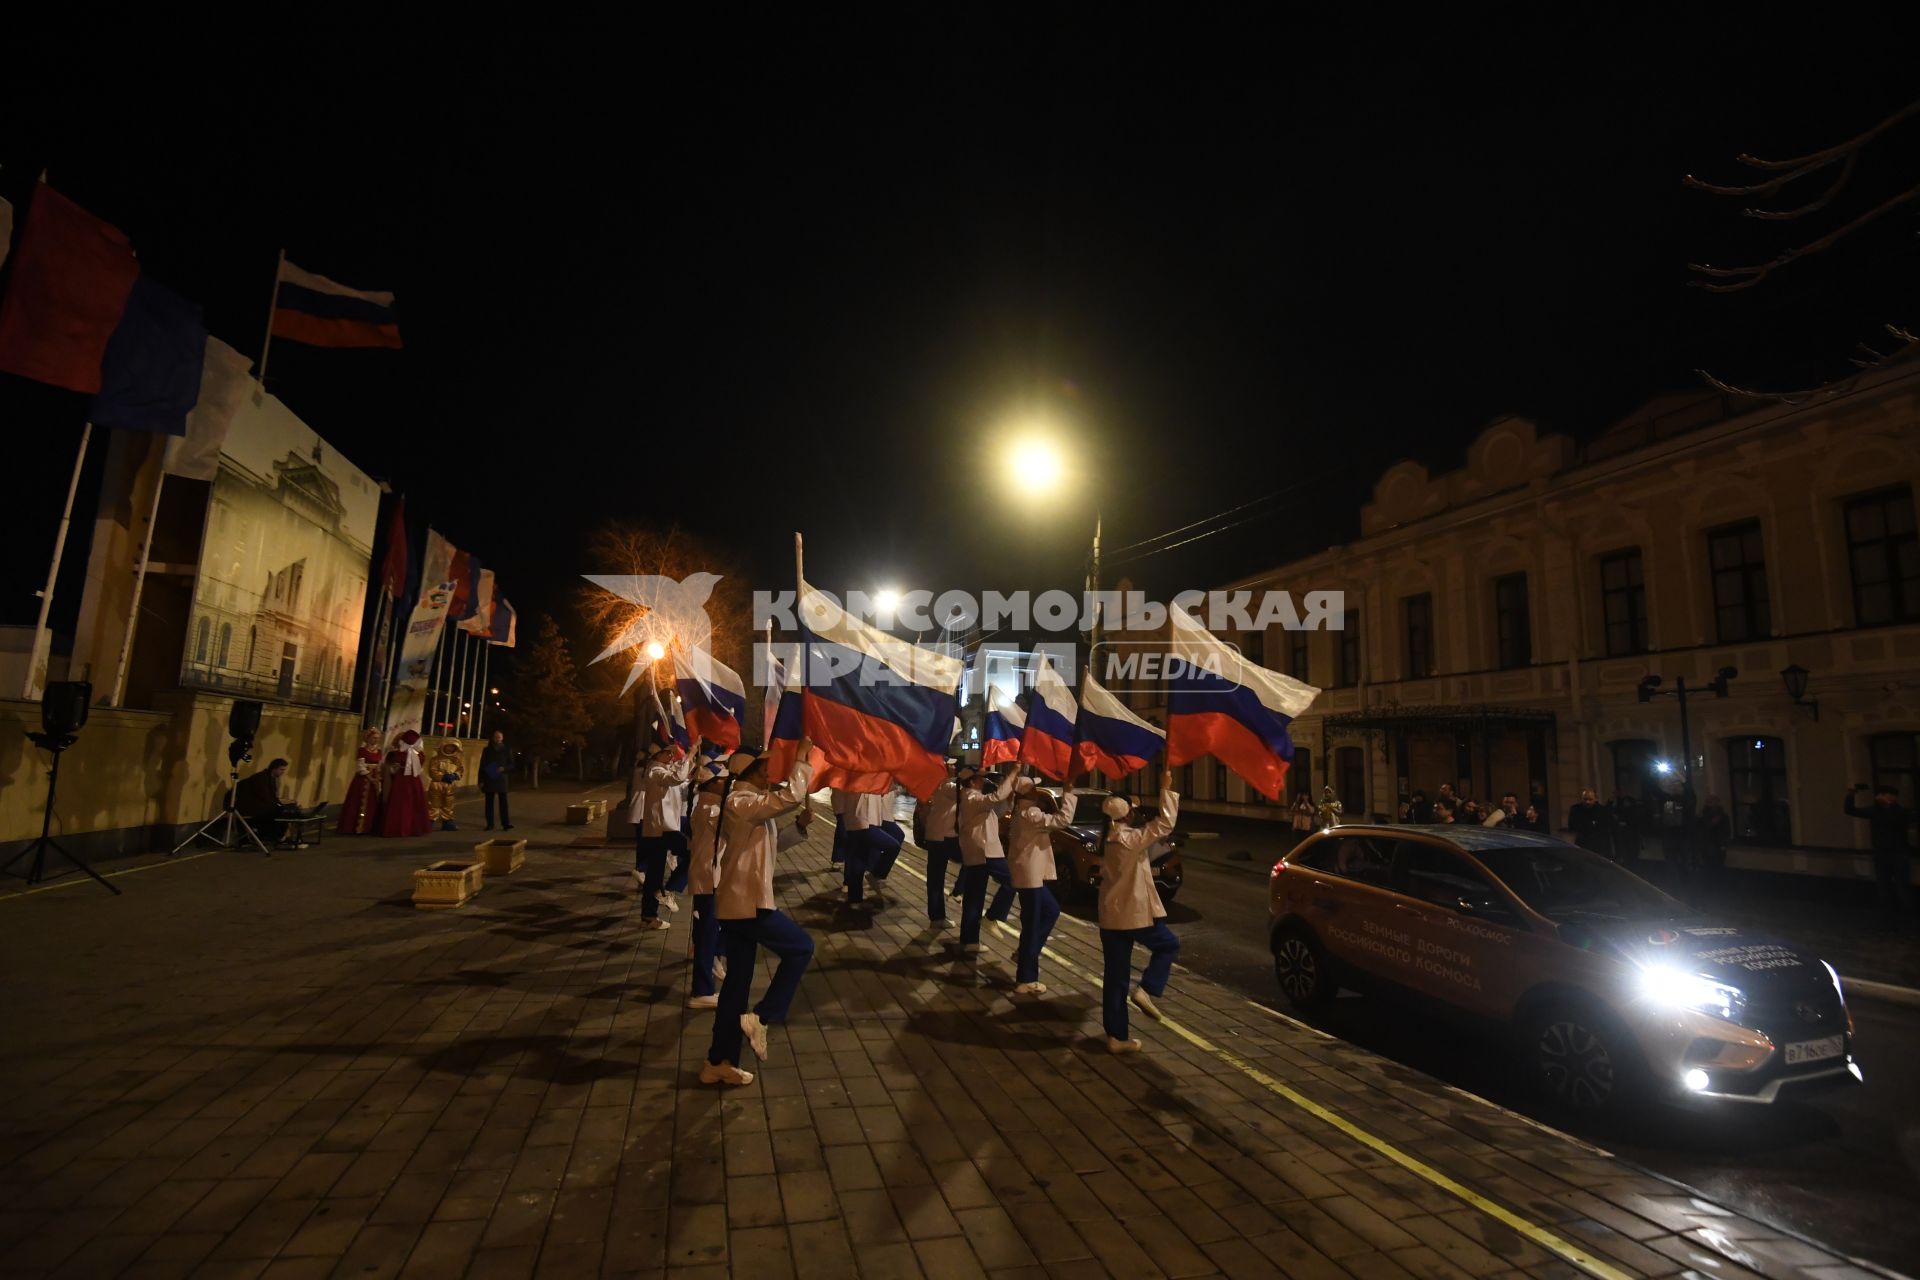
(579, 815)
(501, 857)
(447, 883)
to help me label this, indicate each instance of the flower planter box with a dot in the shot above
(579, 815)
(446, 884)
(501, 857)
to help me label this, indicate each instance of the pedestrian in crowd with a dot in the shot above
(1443, 813)
(703, 833)
(1591, 824)
(1507, 814)
(1036, 816)
(1131, 911)
(1713, 832)
(443, 783)
(1303, 817)
(744, 905)
(940, 837)
(1531, 819)
(496, 766)
(655, 814)
(1419, 809)
(404, 812)
(360, 814)
(864, 814)
(1450, 796)
(1469, 813)
(1887, 823)
(981, 857)
(1629, 826)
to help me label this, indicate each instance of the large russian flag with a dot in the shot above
(786, 725)
(1220, 704)
(1047, 744)
(1112, 738)
(714, 698)
(325, 313)
(1005, 723)
(874, 702)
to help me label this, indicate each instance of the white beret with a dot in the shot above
(1022, 786)
(1117, 807)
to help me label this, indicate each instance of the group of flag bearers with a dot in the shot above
(996, 823)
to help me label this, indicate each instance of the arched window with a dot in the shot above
(1895, 760)
(226, 641)
(200, 636)
(1757, 775)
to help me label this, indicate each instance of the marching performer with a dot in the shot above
(981, 857)
(749, 920)
(361, 812)
(864, 844)
(702, 842)
(655, 811)
(942, 837)
(1036, 816)
(1131, 910)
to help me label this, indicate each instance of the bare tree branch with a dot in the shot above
(1746, 277)
(1910, 347)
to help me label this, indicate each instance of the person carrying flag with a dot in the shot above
(1131, 911)
(744, 906)
(865, 851)
(1036, 816)
(942, 840)
(981, 857)
(655, 813)
(702, 842)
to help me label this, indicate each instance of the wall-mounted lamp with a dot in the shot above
(1795, 679)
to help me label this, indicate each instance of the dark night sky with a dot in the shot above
(754, 281)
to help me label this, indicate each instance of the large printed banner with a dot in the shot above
(408, 710)
(283, 566)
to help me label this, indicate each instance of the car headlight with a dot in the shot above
(1672, 988)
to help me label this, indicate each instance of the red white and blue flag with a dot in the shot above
(1220, 704)
(714, 698)
(1005, 723)
(320, 312)
(786, 725)
(873, 702)
(1112, 738)
(1047, 744)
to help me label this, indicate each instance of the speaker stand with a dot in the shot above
(55, 744)
(227, 819)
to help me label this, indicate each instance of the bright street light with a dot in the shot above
(886, 600)
(1036, 464)
(656, 650)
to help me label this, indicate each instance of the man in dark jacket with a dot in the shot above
(1887, 822)
(258, 800)
(496, 762)
(1591, 824)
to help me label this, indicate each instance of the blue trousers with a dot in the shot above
(650, 860)
(973, 896)
(706, 943)
(1039, 909)
(939, 854)
(857, 848)
(884, 849)
(742, 940)
(839, 837)
(1162, 947)
(675, 842)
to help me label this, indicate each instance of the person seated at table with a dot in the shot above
(259, 801)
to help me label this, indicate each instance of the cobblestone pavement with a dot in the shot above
(277, 1067)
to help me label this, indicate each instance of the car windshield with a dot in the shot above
(1559, 880)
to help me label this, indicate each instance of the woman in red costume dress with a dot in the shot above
(360, 815)
(406, 811)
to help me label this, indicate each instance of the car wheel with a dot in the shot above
(1168, 895)
(1300, 966)
(1579, 1058)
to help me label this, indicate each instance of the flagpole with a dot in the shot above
(486, 670)
(139, 585)
(273, 305)
(42, 639)
(380, 611)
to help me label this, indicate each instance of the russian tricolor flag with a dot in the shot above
(325, 313)
(786, 725)
(874, 702)
(1047, 744)
(714, 698)
(1112, 738)
(1005, 723)
(1220, 704)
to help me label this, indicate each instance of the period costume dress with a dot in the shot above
(405, 812)
(443, 781)
(360, 814)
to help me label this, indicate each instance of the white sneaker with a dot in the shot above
(756, 1033)
(1031, 989)
(634, 881)
(1123, 1046)
(719, 970)
(668, 901)
(704, 1002)
(724, 1073)
(655, 925)
(1144, 1003)
(970, 948)
(945, 922)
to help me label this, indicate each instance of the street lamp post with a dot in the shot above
(1649, 690)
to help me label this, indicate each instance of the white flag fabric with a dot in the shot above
(224, 386)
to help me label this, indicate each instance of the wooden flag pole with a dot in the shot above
(139, 586)
(273, 305)
(42, 638)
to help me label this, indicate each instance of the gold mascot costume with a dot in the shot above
(443, 778)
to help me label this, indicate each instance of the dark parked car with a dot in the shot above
(1076, 852)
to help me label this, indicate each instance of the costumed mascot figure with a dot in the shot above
(445, 774)
(360, 815)
(1330, 808)
(405, 813)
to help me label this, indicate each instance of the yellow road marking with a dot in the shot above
(80, 877)
(1542, 1236)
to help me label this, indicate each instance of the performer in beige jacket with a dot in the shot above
(981, 858)
(1036, 816)
(1131, 911)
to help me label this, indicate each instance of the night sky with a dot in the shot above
(753, 280)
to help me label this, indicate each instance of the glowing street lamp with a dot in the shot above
(1036, 464)
(886, 600)
(655, 650)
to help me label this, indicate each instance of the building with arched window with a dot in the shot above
(1509, 610)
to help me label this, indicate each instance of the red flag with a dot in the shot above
(393, 572)
(71, 277)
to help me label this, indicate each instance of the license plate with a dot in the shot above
(1815, 1050)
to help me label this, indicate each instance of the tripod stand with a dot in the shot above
(230, 817)
(54, 744)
